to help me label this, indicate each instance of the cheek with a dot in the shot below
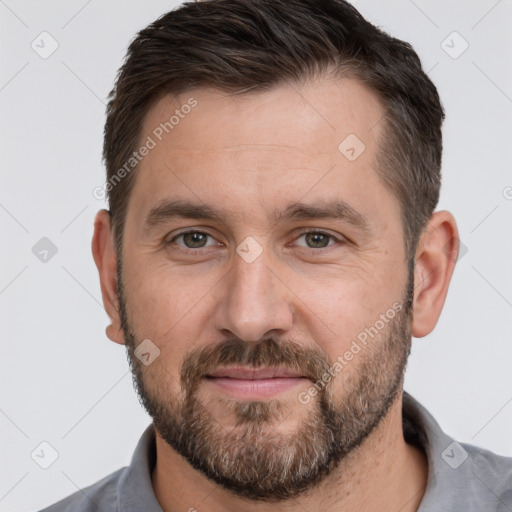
(343, 304)
(167, 306)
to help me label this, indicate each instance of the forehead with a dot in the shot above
(287, 116)
(220, 148)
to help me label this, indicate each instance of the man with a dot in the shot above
(270, 248)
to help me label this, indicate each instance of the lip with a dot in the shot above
(254, 383)
(254, 373)
(254, 388)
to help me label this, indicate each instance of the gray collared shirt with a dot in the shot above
(462, 477)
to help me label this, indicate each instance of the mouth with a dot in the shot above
(255, 373)
(254, 382)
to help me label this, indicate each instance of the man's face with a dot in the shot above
(262, 287)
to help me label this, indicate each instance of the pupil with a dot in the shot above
(194, 239)
(317, 239)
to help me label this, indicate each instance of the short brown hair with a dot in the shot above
(241, 46)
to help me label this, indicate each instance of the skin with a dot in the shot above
(250, 155)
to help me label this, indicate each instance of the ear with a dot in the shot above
(436, 256)
(105, 258)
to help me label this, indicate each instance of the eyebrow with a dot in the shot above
(169, 209)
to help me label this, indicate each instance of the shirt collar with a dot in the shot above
(135, 488)
(460, 476)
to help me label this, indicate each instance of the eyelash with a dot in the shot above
(202, 250)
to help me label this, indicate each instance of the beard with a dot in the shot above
(249, 457)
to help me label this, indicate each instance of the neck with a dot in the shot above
(384, 473)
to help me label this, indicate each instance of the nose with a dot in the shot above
(254, 300)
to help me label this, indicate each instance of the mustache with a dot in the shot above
(268, 353)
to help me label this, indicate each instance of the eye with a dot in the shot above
(193, 240)
(317, 239)
(197, 240)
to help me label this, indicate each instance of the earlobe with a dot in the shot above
(104, 255)
(436, 257)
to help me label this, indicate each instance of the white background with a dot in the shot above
(64, 382)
